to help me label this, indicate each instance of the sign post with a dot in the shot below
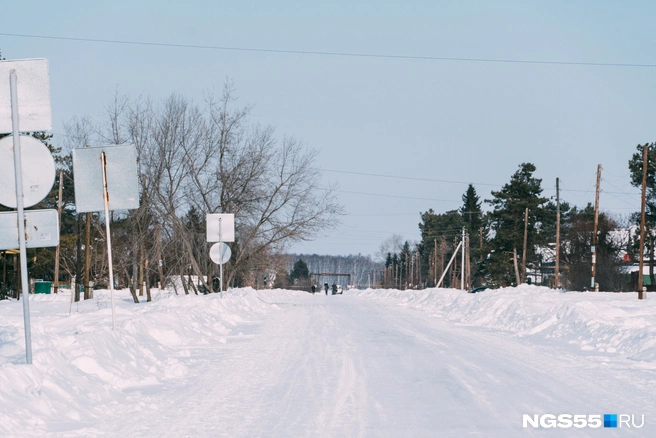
(35, 115)
(102, 174)
(221, 229)
(18, 172)
(103, 161)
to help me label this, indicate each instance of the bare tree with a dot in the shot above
(212, 160)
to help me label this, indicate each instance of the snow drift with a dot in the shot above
(614, 323)
(80, 363)
(82, 367)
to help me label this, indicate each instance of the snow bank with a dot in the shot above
(614, 323)
(80, 363)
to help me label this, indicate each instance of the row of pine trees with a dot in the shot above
(496, 237)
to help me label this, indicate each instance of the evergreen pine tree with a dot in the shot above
(507, 222)
(471, 211)
(300, 272)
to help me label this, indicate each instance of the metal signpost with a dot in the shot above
(220, 228)
(31, 79)
(106, 179)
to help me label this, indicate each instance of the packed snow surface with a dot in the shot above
(374, 363)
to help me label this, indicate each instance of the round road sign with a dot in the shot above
(38, 171)
(220, 253)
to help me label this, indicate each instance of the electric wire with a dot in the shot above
(380, 175)
(330, 53)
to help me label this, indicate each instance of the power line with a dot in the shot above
(393, 196)
(327, 53)
(379, 175)
(408, 177)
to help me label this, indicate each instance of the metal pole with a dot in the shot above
(18, 170)
(645, 152)
(87, 256)
(103, 160)
(220, 264)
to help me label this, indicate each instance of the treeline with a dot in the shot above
(193, 159)
(496, 240)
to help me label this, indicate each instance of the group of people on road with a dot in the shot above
(326, 288)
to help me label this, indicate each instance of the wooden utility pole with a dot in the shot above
(87, 258)
(524, 250)
(78, 259)
(435, 262)
(455, 264)
(517, 278)
(407, 271)
(594, 232)
(468, 264)
(59, 210)
(462, 263)
(160, 268)
(141, 270)
(147, 280)
(645, 152)
(4, 267)
(557, 267)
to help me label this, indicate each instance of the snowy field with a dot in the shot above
(372, 363)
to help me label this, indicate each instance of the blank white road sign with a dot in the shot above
(33, 83)
(220, 253)
(41, 229)
(227, 227)
(38, 171)
(122, 180)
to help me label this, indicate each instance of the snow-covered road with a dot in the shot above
(350, 366)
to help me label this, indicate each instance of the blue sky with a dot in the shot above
(459, 121)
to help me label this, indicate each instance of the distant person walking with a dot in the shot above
(325, 286)
(314, 289)
(334, 289)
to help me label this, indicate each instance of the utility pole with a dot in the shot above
(160, 270)
(462, 263)
(468, 264)
(557, 267)
(524, 250)
(454, 270)
(78, 260)
(594, 232)
(517, 278)
(645, 152)
(59, 209)
(435, 262)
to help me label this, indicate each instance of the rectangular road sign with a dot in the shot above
(122, 180)
(41, 229)
(227, 227)
(33, 83)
